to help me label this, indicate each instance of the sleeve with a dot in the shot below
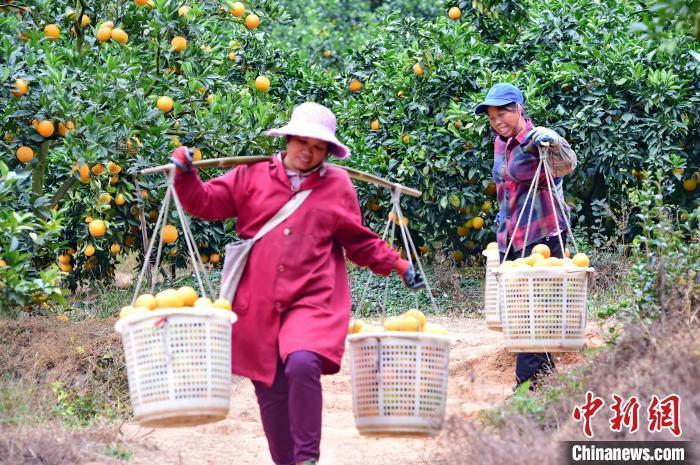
(363, 246)
(213, 200)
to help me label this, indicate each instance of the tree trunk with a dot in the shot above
(40, 170)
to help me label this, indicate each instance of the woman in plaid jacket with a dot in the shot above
(516, 157)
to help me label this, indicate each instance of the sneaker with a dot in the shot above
(308, 462)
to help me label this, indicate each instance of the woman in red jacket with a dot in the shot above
(293, 300)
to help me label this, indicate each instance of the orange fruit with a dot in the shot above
(141, 2)
(98, 169)
(21, 87)
(89, 250)
(97, 228)
(262, 83)
(408, 323)
(406, 138)
(582, 260)
(3, 263)
(252, 21)
(232, 56)
(423, 249)
(146, 301)
(88, 219)
(153, 215)
(52, 31)
(104, 34)
(178, 43)
(417, 314)
(188, 294)
(107, 24)
(210, 99)
(238, 10)
(477, 222)
(204, 302)
(205, 258)
(327, 53)
(486, 206)
(45, 128)
(84, 21)
(690, 184)
(418, 69)
(119, 199)
(355, 85)
(458, 256)
(169, 298)
(64, 259)
(25, 154)
(104, 198)
(462, 231)
(491, 189)
(64, 129)
(115, 248)
(168, 234)
(375, 125)
(183, 11)
(222, 303)
(129, 241)
(119, 35)
(66, 268)
(454, 13)
(113, 168)
(165, 104)
(197, 155)
(114, 179)
(543, 250)
(214, 258)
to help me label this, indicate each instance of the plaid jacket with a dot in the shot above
(514, 166)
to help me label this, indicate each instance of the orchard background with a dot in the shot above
(80, 115)
(95, 91)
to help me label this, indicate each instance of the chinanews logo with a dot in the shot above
(626, 416)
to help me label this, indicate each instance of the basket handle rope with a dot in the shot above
(543, 153)
(194, 255)
(410, 247)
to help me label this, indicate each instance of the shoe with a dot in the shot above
(308, 462)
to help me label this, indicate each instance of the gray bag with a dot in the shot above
(562, 161)
(237, 253)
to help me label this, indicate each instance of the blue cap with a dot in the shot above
(499, 95)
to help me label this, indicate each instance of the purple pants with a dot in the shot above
(291, 409)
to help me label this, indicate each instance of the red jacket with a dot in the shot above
(294, 293)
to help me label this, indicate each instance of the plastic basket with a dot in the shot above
(399, 381)
(543, 309)
(178, 362)
(491, 309)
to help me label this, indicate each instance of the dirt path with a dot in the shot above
(481, 376)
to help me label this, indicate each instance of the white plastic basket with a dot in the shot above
(491, 309)
(543, 309)
(178, 362)
(399, 381)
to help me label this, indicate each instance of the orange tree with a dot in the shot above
(100, 90)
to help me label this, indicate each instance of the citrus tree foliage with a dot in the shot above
(624, 104)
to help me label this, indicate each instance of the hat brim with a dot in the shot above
(491, 102)
(335, 147)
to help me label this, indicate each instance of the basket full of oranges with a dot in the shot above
(177, 348)
(543, 301)
(399, 374)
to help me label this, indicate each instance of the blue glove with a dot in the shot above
(541, 134)
(413, 279)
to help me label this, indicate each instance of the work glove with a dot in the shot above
(182, 159)
(413, 279)
(541, 134)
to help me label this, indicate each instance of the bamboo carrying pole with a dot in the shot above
(234, 161)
